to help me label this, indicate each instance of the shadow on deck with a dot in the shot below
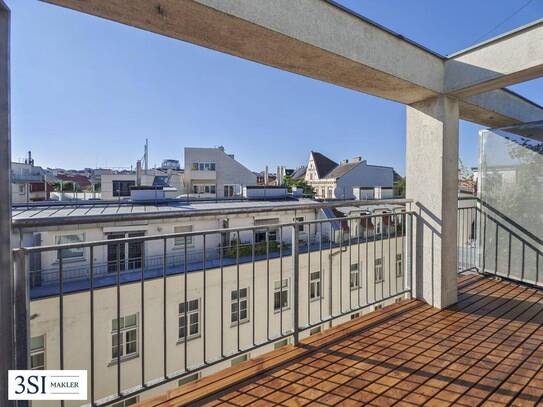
(485, 350)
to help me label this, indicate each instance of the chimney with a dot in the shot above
(344, 161)
(138, 173)
(279, 176)
(266, 176)
(29, 160)
(357, 159)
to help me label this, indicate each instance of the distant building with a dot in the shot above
(29, 182)
(210, 172)
(170, 164)
(117, 186)
(354, 179)
(299, 173)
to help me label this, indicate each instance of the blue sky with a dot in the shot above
(87, 92)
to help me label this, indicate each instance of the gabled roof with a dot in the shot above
(341, 170)
(299, 173)
(323, 165)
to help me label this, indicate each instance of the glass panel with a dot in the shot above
(37, 342)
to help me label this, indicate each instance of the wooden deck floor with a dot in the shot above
(486, 350)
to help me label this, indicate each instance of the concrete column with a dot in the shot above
(6, 274)
(432, 182)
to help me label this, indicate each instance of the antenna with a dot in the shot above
(146, 156)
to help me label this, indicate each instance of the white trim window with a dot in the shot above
(280, 295)
(37, 352)
(204, 188)
(399, 265)
(354, 278)
(379, 273)
(203, 166)
(190, 378)
(300, 219)
(240, 359)
(128, 402)
(315, 285)
(243, 313)
(231, 190)
(124, 343)
(70, 253)
(180, 241)
(193, 319)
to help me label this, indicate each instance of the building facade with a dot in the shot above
(211, 173)
(346, 179)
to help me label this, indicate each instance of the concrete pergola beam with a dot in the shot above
(511, 58)
(311, 38)
(499, 108)
(318, 39)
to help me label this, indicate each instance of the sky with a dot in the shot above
(87, 92)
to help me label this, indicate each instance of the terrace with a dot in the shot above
(484, 350)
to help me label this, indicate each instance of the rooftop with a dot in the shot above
(44, 214)
(487, 348)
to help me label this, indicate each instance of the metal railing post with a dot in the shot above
(296, 277)
(22, 305)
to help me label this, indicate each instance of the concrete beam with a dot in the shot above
(7, 335)
(499, 108)
(502, 61)
(432, 150)
(317, 39)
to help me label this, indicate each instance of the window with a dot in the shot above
(37, 352)
(315, 330)
(203, 167)
(355, 315)
(21, 189)
(193, 319)
(280, 295)
(354, 280)
(399, 265)
(378, 307)
(190, 378)
(180, 241)
(70, 253)
(232, 190)
(329, 192)
(127, 402)
(260, 235)
(280, 344)
(379, 277)
(203, 189)
(239, 359)
(300, 219)
(315, 285)
(124, 336)
(243, 313)
(122, 188)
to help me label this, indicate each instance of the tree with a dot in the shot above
(399, 187)
(299, 183)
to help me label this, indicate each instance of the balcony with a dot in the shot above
(334, 295)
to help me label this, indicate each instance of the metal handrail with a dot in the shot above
(346, 244)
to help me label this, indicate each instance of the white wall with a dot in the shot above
(228, 171)
(366, 176)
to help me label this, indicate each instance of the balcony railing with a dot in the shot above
(164, 317)
(492, 243)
